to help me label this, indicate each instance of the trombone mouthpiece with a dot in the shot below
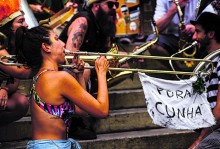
(67, 51)
(194, 43)
(190, 46)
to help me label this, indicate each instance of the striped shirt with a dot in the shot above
(212, 81)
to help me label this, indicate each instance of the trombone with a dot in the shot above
(114, 57)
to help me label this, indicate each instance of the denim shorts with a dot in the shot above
(53, 144)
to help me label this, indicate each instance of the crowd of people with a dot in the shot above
(61, 107)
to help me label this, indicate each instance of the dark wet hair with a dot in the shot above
(28, 45)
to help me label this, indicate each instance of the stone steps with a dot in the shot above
(162, 138)
(117, 121)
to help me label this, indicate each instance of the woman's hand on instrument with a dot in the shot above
(3, 99)
(101, 65)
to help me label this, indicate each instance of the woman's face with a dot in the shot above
(57, 47)
(18, 22)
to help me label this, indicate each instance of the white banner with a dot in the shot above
(172, 103)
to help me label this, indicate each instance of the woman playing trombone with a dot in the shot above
(56, 95)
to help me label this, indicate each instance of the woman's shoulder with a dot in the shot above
(64, 75)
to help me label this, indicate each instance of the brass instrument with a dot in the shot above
(210, 56)
(13, 58)
(111, 55)
(195, 43)
(184, 40)
(90, 57)
(142, 48)
(58, 20)
(116, 57)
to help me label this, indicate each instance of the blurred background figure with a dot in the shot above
(44, 9)
(13, 105)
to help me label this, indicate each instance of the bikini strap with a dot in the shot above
(37, 76)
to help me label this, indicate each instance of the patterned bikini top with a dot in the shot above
(65, 111)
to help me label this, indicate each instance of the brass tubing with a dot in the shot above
(139, 70)
(9, 63)
(135, 56)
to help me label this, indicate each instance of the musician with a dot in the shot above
(207, 34)
(44, 9)
(91, 30)
(13, 105)
(167, 21)
(42, 50)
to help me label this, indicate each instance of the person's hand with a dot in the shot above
(3, 99)
(189, 30)
(70, 4)
(101, 65)
(183, 3)
(78, 65)
(136, 52)
(36, 8)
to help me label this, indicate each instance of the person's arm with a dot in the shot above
(13, 87)
(81, 98)
(15, 71)
(162, 16)
(6, 90)
(76, 34)
(206, 131)
(70, 4)
(36, 8)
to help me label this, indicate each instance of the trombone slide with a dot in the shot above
(138, 70)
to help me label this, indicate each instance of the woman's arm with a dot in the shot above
(80, 97)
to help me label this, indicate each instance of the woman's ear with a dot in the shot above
(46, 47)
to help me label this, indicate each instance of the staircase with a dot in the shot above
(128, 125)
